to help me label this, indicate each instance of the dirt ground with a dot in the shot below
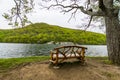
(91, 70)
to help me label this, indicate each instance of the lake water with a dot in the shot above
(12, 50)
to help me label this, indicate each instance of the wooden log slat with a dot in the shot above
(74, 51)
(62, 53)
(67, 50)
(71, 52)
(79, 51)
(70, 46)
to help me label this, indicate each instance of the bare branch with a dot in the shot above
(76, 6)
(98, 13)
(73, 15)
(89, 23)
(88, 3)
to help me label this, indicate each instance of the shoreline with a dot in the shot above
(10, 63)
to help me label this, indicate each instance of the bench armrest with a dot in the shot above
(53, 52)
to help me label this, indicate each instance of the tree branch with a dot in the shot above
(17, 15)
(76, 6)
(98, 13)
(89, 23)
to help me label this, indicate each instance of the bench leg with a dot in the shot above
(56, 62)
(81, 59)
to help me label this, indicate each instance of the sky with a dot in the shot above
(53, 17)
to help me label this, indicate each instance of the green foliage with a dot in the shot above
(42, 33)
(107, 62)
(17, 14)
(105, 58)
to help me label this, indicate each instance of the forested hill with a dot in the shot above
(42, 33)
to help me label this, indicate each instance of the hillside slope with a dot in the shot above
(42, 33)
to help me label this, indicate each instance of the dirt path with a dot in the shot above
(92, 70)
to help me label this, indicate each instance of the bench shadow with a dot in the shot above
(72, 64)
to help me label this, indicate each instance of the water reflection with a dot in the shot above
(10, 50)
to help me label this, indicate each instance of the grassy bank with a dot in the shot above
(10, 63)
(42, 33)
(7, 64)
(104, 60)
(94, 69)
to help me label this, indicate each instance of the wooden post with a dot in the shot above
(56, 57)
(83, 54)
(51, 55)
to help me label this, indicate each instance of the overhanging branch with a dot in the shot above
(98, 13)
(76, 6)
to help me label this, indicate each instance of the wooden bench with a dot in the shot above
(62, 53)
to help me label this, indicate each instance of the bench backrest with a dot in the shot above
(73, 50)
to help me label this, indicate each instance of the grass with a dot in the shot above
(107, 74)
(10, 63)
(7, 64)
(98, 58)
(107, 62)
(104, 60)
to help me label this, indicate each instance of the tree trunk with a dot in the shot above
(113, 38)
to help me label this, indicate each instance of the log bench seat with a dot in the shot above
(62, 53)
